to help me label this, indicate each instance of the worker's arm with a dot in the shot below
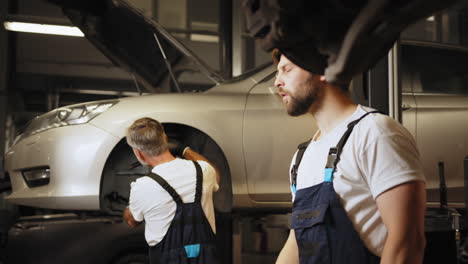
(133, 213)
(402, 209)
(190, 154)
(128, 218)
(289, 254)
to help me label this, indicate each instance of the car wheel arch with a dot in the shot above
(113, 202)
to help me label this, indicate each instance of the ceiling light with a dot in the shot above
(204, 38)
(43, 29)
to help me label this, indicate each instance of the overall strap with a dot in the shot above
(199, 188)
(166, 187)
(300, 153)
(334, 154)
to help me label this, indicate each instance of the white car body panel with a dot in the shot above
(270, 139)
(76, 156)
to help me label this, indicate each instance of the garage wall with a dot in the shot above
(59, 55)
(4, 65)
(52, 71)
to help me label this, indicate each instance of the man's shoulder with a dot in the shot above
(143, 182)
(185, 166)
(189, 164)
(203, 164)
(379, 124)
(144, 187)
(206, 167)
(378, 127)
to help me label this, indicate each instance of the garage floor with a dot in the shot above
(256, 239)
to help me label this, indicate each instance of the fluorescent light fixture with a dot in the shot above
(43, 29)
(204, 38)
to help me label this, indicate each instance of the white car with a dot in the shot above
(76, 157)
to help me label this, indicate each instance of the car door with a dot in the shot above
(440, 89)
(410, 84)
(270, 140)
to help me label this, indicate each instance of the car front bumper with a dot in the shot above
(75, 155)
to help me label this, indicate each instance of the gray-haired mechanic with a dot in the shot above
(174, 200)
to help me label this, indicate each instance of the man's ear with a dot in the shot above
(139, 154)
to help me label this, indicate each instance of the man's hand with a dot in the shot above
(176, 147)
(128, 218)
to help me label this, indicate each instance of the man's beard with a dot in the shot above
(301, 102)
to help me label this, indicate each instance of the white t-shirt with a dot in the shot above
(150, 202)
(379, 154)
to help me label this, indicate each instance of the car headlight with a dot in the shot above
(65, 116)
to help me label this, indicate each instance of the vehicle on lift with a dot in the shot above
(76, 158)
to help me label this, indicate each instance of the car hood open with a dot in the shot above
(132, 41)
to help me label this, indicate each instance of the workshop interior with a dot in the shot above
(74, 75)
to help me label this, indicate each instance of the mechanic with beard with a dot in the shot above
(175, 200)
(357, 197)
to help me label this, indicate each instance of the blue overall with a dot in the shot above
(324, 233)
(189, 239)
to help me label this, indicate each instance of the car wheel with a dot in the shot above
(120, 170)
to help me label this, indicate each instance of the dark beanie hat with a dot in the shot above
(307, 57)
